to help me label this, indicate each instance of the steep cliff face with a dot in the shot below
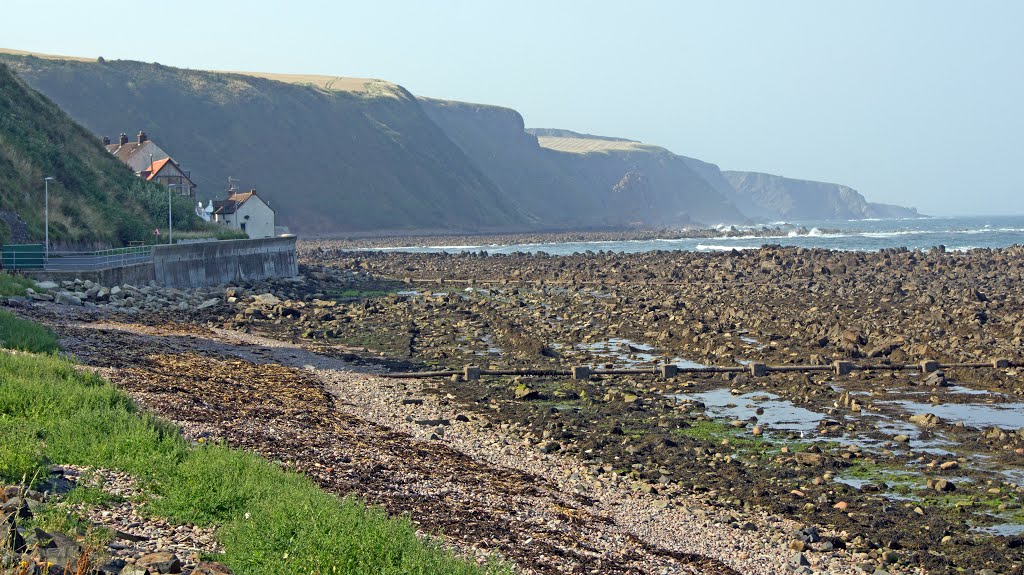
(577, 180)
(790, 199)
(327, 161)
(643, 185)
(93, 199)
(494, 138)
(344, 155)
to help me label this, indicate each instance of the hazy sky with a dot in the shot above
(911, 102)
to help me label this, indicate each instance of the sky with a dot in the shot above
(918, 103)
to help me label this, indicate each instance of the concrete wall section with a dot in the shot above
(213, 263)
(136, 275)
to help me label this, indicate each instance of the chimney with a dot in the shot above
(142, 137)
(123, 139)
(106, 141)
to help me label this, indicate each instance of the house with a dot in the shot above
(170, 174)
(138, 154)
(151, 162)
(246, 212)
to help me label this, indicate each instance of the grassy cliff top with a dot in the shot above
(368, 86)
(593, 145)
(45, 56)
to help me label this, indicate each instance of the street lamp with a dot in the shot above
(170, 231)
(46, 211)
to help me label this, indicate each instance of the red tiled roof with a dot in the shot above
(155, 168)
(234, 201)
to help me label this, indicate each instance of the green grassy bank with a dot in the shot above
(13, 284)
(270, 521)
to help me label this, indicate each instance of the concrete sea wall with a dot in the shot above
(135, 274)
(195, 265)
(213, 263)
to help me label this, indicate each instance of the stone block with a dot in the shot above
(580, 372)
(929, 365)
(842, 367)
(471, 372)
(669, 370)
(758, 369)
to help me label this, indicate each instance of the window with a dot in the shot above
(243, 226)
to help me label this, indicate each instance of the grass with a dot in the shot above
(591, 145)
(60, 518)
(270, 521)
(714, 431)
(22, 335)
(14, 285)
(211, 231)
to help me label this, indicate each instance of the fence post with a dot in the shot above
(842, 367)
(580, 372)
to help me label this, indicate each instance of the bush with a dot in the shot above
(14, 285)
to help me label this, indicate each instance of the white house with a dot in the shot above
(246, 212)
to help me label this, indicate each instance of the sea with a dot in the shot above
(953, 233)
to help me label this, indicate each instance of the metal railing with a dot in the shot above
(24, 257)
(99, 260)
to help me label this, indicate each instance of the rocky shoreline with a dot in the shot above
(875, 471)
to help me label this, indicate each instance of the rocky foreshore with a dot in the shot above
(879, 470)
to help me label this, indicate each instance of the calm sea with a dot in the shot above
(955, 233)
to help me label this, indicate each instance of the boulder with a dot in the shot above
(10, 538)
(926, 419)
(525, 393)
(266, 299)
(112, 567)
(160, 562)
(936, 379)
(212, 568)
(46, 285)
(806, 458)
(66, 298)
(886, 347)
(208, 303)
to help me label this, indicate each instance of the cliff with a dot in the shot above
(337, 156)
(93, 198)
(326, 160)
(575, 180)
(776, 197)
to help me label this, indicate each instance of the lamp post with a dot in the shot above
(170, 231)
(46, 211)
